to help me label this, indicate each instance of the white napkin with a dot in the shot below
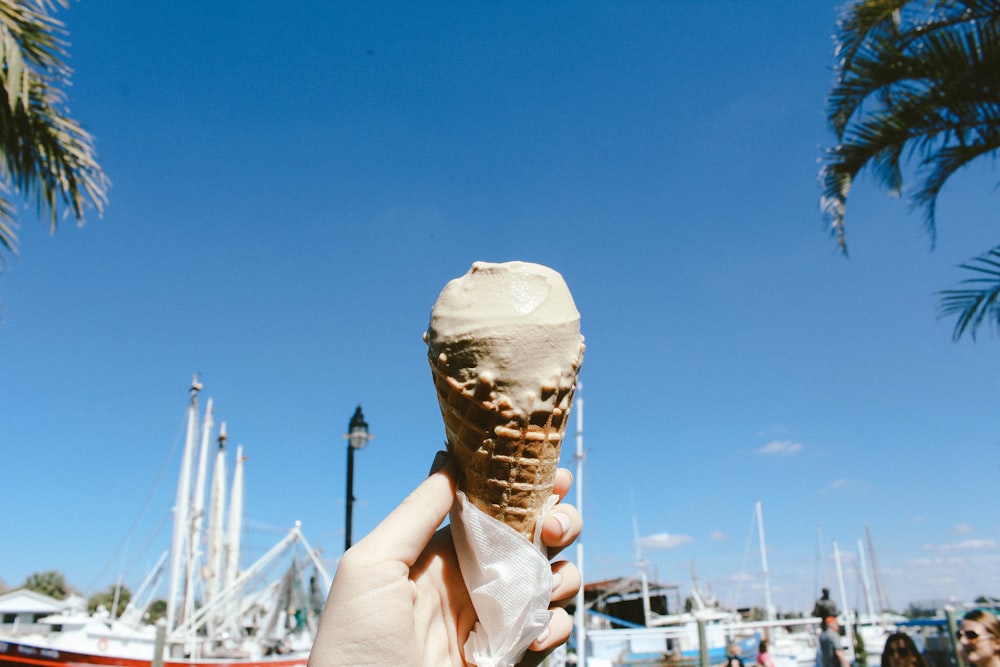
(509, 580)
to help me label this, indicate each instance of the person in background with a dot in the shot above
(824, 605)
(764, 658)
(733, 658)
(831, 647)
(979, 639)
(900, 651)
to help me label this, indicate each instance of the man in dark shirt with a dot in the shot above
(825, 606)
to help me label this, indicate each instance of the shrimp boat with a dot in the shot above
(217, 614)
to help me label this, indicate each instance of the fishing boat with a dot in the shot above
(218, 614)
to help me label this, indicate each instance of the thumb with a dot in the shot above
(406, 531)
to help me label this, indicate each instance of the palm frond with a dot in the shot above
(44, 153)
(918, 81)
(978, 302)
(943, 165)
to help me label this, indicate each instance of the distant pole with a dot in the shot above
(357, 437)
(703, 660)
(159, 642)
(952, 630)
(768, 604)
(824, 579)
(881, 597)
(350, 497)
(580, 620)
(865, 582)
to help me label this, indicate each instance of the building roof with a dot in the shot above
(24, 601)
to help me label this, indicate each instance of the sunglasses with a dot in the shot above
(971, 635)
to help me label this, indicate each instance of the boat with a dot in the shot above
(218, 614)
(791, 642)
(632, 621)
(795, 642)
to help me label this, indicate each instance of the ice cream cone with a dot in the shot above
(508, 463)
(505, 348)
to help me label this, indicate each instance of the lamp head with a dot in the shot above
(357, 430)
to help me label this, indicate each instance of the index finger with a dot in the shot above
(404, 533)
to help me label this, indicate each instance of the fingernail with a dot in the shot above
(540, 639)
(563, 521)
(440, 459)
(556, 580)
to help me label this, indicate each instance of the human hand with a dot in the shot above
(398, 597)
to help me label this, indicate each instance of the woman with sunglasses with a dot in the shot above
(979, 639)
(900, 651)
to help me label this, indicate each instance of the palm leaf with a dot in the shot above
(978, 302)
(44, 153)
(916, 81)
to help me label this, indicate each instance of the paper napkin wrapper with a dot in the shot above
(509, 580)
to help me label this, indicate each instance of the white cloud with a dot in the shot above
(963, 529)
(837, 485)
(719, 535)
(664, 541)
(780, 448)
(968, 545)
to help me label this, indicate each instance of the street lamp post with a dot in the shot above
(357, 437)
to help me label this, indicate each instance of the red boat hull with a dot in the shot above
(13, 654)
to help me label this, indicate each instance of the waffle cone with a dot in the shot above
(507, 461)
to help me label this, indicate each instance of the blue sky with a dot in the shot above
(293, 187)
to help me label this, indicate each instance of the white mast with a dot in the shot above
(843, 599)
(640, 563)
(768, 606)
(137, 605)
(580, 620)
(197, 511)
(880, 595)
(865, 581)
(235, 525)
(234, 528)
(824, 579)
(198, 507)
(213, 564)
(182, 510)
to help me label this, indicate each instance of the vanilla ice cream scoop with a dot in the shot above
(505, 348)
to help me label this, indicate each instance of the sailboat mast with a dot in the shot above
(213, 564)
(865, 582)
(824, 580)
(768, 605)
(843, 598)
(198, 508)
(641, 564)
(234, 527)
(197, 512)
(182, 510)
(881, 597)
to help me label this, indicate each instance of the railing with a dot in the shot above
(699, 635)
